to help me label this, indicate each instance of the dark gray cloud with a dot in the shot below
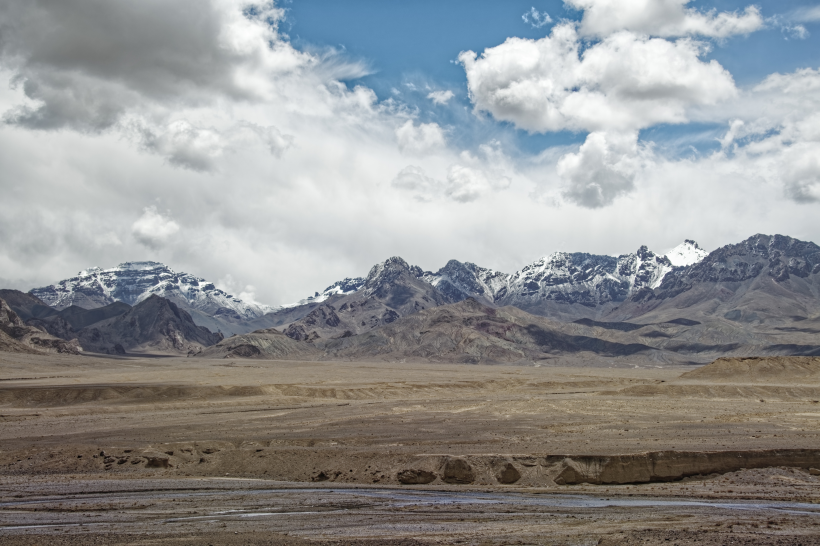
(86, 62)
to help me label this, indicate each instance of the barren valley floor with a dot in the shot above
(141, 450)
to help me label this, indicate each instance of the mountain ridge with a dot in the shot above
(567, 286)
(133, 282)
(759, 296)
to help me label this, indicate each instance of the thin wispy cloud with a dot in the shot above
(440, 97)
(536, 19)
(806, 14)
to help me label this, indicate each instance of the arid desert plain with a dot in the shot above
(169, 450)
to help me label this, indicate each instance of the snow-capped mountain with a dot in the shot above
(392, 289)
(133, 282)
(741, 282)
(562, 285)
(458, 280)
(562, 277)
(686, 253)
(587, 282)
(339, 288)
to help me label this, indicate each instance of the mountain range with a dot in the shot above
(758, 296)
(590, 281)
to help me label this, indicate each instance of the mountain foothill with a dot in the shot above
(759, 297)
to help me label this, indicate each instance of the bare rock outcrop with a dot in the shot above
(506, 473)
(16, 336)
(457, 471)
(262, 344)
(416, 477)
(664, 466)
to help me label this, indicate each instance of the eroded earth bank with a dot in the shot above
(183, 450)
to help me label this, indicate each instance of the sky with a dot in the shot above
(275, 148)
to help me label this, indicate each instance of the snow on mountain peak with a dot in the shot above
(139, 266)
(686, 253)
(133, 282)
(339, 288)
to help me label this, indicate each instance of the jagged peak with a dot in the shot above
(389, 270)
(455, 266)
(345, 286)
(644, 253)
(685, 254)
(89, 271)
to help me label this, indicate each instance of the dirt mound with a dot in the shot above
(83, 394)
(662, 466)
(262, 344)
(769, 370)
(748, 392)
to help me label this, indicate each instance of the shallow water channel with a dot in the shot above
(176, 506)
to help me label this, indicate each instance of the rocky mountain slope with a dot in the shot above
(288, 313)
(18, 337)
(562, 285)
(759, 295)
(27, 306)
(269, 344)
(155, 324)
(64, 323)
(471, 332)
(765, 281)
(393, 289)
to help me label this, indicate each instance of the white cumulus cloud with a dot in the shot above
(153, 229)
(421, 138)
(618, 85)
(603, 169)
(666, 18)
(626, 81)
(774, 133)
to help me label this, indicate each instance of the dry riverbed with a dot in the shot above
(143, 450)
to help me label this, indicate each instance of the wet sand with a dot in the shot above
(72, 425)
